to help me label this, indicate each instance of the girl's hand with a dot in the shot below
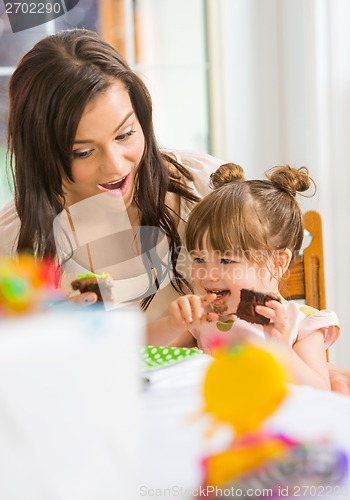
(189, 311)
(279, 326)
(340, 379)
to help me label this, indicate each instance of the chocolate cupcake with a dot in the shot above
(101, 284)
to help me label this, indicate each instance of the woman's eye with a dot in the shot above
(122, 137)
(81, 154)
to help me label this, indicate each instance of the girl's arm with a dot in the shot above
(160, 332)
(309, 362)
(185, 339)
(307, 358)
(185, 312)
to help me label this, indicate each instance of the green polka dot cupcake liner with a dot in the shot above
(155, 357)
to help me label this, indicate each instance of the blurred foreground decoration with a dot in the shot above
(27, 285)
(243, 386)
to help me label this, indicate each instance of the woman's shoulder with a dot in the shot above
(9, 228)
(200, 166)
(197, 161)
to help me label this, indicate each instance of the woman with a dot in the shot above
(80, 125)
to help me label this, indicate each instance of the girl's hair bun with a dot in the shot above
(229, 172)
(289, 179)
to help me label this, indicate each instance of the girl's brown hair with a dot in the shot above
(48, 92)
(252, 218)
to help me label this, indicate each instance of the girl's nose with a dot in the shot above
(213, 273)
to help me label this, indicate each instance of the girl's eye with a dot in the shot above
(123, 137)
(227, 261)
(81, 154)
(198, 260)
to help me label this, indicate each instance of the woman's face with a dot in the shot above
(107, 148)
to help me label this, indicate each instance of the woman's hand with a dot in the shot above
(83, 299)
(189, 311)
(279, 326)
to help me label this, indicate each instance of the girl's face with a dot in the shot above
(226, 274)
(107, 149)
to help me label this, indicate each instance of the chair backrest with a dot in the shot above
(305, 277)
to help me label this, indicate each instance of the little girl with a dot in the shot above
(244, 235)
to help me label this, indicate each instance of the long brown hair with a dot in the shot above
(253, 218)
(49, 91)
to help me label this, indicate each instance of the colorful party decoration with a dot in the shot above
(26, 284)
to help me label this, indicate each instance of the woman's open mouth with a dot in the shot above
(115, 187)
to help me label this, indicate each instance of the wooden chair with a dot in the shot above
(305, 277)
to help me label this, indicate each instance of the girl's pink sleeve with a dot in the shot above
(326, 321)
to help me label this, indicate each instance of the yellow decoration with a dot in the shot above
(243, 386)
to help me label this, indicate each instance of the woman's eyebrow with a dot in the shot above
(85, 141)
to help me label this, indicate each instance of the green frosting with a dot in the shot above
(92, 275)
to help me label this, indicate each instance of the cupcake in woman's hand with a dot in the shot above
(101, 284)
